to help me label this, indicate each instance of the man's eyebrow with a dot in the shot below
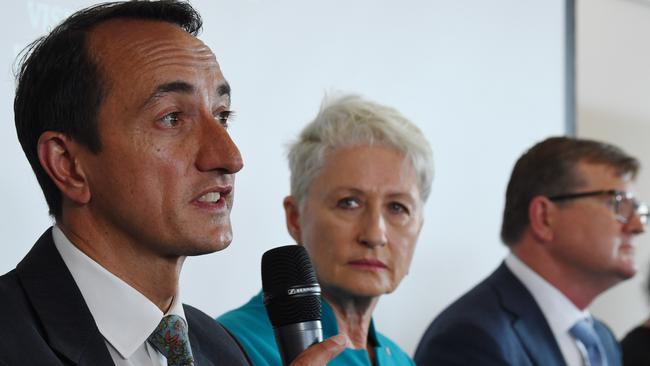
(183, 88)
(170, 87)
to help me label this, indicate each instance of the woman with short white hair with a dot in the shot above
(360, 175)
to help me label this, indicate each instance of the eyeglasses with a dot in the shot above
(623, 203)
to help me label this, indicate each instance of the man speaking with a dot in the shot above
(123, 113)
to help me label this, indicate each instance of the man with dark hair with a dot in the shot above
(123, 113)
(569, 221)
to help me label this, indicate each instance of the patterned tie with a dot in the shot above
(584, 332)
(171, 339)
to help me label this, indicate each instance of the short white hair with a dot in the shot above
(350, 120)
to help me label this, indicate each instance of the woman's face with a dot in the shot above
(360, 220)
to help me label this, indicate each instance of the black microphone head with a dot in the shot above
(291, 291)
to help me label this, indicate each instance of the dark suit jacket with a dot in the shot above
(44, 319)
(498, 323)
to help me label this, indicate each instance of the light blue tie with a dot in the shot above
(584, 332)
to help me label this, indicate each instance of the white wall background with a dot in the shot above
(613, 87)
(483, 79)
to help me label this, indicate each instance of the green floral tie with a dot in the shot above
(170, 338)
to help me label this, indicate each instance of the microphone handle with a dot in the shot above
(293, 339)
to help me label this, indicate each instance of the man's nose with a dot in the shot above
(635, 224)
(217, 150)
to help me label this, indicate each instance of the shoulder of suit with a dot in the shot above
(12, 295)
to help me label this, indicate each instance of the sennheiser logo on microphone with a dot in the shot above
(312, 290)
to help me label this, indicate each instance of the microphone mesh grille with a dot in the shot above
(283, 268)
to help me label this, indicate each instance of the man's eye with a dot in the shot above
(224, 116)
(348, 203)
(170, 120)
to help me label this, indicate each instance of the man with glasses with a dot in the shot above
(569, 220)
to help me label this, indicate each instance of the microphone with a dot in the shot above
(292, 299)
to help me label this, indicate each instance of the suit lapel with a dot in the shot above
(527, 319)
(211, 343)
(57, 301)
(199, 357)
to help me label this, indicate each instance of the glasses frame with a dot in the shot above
(640, 208)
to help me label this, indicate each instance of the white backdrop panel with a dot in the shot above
(483, 79)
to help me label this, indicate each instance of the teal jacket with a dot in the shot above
(252, 328)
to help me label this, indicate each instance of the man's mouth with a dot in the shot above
(210, 197)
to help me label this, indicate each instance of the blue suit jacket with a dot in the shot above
(498, 323)
(44, 319)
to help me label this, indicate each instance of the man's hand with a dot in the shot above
(321, 353)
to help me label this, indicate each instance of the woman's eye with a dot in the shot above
(170, 120)
(398, 208)
(348, 203)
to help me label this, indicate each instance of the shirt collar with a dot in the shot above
(560, 313)
(124, 316)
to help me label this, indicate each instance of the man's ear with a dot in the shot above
(292, 216)
(541, 215)
(58, 156)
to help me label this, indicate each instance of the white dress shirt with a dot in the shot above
(124, 316)
(560, 313)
